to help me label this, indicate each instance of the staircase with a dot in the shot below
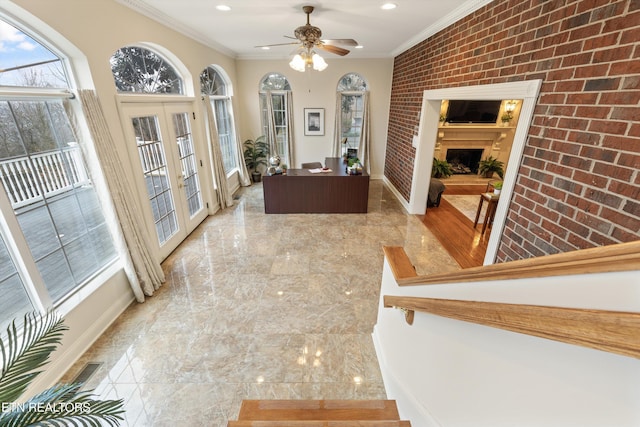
(318, 413)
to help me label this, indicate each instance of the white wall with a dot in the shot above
(450, 373)
(318, 90)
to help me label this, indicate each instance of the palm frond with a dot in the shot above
(25, 353)
(64, 405)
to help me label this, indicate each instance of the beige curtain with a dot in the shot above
(337, 127)
(365, 133)
(225, 198)
(289, 155)
(243, 173)
(271, 124)
(143, 271)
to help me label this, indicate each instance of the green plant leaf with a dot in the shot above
(27, 352)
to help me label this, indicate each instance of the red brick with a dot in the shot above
(578, 139)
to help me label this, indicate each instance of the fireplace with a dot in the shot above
(464, 160)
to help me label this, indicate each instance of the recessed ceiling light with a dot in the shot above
(389, 6)
(359, 47)
(265, 48)
(223, 7)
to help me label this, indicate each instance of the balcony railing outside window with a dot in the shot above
(28, 179)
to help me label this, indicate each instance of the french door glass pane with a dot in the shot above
(188, 163)
(15, 301)
(43, 173)
(154, 167)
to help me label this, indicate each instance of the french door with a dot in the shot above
(166, 159)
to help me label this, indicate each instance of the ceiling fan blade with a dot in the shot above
(278, 44)
(344, 42)
(333, 49)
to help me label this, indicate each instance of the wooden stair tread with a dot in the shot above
(326, 423)
(318, 410)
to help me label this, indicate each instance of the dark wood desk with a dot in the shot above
(300, 191)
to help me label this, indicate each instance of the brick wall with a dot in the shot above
(578, 185)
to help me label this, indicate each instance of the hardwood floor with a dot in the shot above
(455, 231)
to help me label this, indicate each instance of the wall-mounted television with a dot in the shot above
(460, 111)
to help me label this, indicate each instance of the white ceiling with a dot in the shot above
(250, 23)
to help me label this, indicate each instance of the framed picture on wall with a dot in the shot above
(314, 121)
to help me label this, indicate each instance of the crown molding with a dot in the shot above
(462, 11)
(168, 21)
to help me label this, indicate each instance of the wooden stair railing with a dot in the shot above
(318, 413)
(612, 331)
(604, 259)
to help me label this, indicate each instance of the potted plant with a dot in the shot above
(487, 167)
(506, 118)
(255, 155)
(441, 169)
(497, 187)
(23, 355)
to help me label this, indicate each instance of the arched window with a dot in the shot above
(275, 105)
(56, 237)
(215, 85)
(350, 112)
(139, 70)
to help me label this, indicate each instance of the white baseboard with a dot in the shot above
(394, 190)
(67, 355)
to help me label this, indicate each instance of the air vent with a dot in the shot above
(86, 373)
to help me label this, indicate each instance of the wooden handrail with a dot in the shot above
(603, 259)
(612, 331)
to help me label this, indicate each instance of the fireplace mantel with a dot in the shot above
(473, 132)
(494, 140)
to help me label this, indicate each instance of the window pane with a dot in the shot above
(352, 82)
(274, 81)
(226, 134)
(25, 62)
(15, 301)
(51, 194)
(351, 121)
(154, 167)
(212, 83)
(140, 70)
(188, 163)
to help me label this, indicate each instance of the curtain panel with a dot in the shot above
(143, 271)
(223, 193)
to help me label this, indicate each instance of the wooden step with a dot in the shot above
(318, 410)
(344, 423)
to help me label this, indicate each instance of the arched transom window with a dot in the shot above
(139, 70)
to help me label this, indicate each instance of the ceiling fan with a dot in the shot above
(308, 37)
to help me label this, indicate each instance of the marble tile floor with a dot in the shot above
(259, 306)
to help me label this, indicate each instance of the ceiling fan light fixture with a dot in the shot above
(298, 63)
(319, 63)
(307, 59)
